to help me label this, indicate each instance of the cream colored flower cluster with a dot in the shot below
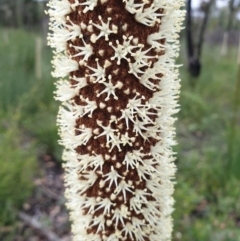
(119, 88)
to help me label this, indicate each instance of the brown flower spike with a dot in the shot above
(116, 119)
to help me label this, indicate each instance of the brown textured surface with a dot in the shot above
(119, 17)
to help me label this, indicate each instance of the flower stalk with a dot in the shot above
(119, 91)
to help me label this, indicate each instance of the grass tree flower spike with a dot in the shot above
(119, 88)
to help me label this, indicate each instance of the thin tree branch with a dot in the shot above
(230, 16)
(203, 29)
(32, 222)
(190, 48)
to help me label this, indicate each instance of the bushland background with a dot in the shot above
(207, 193)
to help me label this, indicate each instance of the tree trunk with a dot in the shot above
(194, 65)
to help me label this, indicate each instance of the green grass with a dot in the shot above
(27, 118)
(207, 191)
(20, 89)
(18, 165)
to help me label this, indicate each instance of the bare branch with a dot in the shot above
(32, 222)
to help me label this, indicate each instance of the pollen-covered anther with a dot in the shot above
(113, 118)
(113, 197)
(109, 223)
(115, 71)
(118, 165)
(114, 28)
(83, 25)
(107, 63)
(102, 105)
(93, 38)
(127, 91)
(107, 157)
(104, 28)
(124, 27)
(101, 52)
(90, 28)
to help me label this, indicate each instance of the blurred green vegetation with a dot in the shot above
(208, 160)
(18, 165)
(207, 191)
(27, 118)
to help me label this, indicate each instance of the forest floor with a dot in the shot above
(43, 216)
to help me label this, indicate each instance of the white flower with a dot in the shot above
(126, 44)
(109, 89)
(63, 65)
(82, 110)
(72, 141)
(85, 50)
(98, 73)
(131, 6)
(99, 222)
(90, 4)
(82, 82)
(127, 114)
(123, 188)
(133, 159)
(135, 68)
(112, 177)
(58, 38)
(115, 141)
(120, 52)
(126, 140)
(129, 229)
(141, 57)
(148, 16)
(59, 8)
(64, 90)
(139, 128)
(104, 204)
(118, 217)
(89, 203)
(153, 40)
(104, 28)
(65, 119)
(108, 132)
